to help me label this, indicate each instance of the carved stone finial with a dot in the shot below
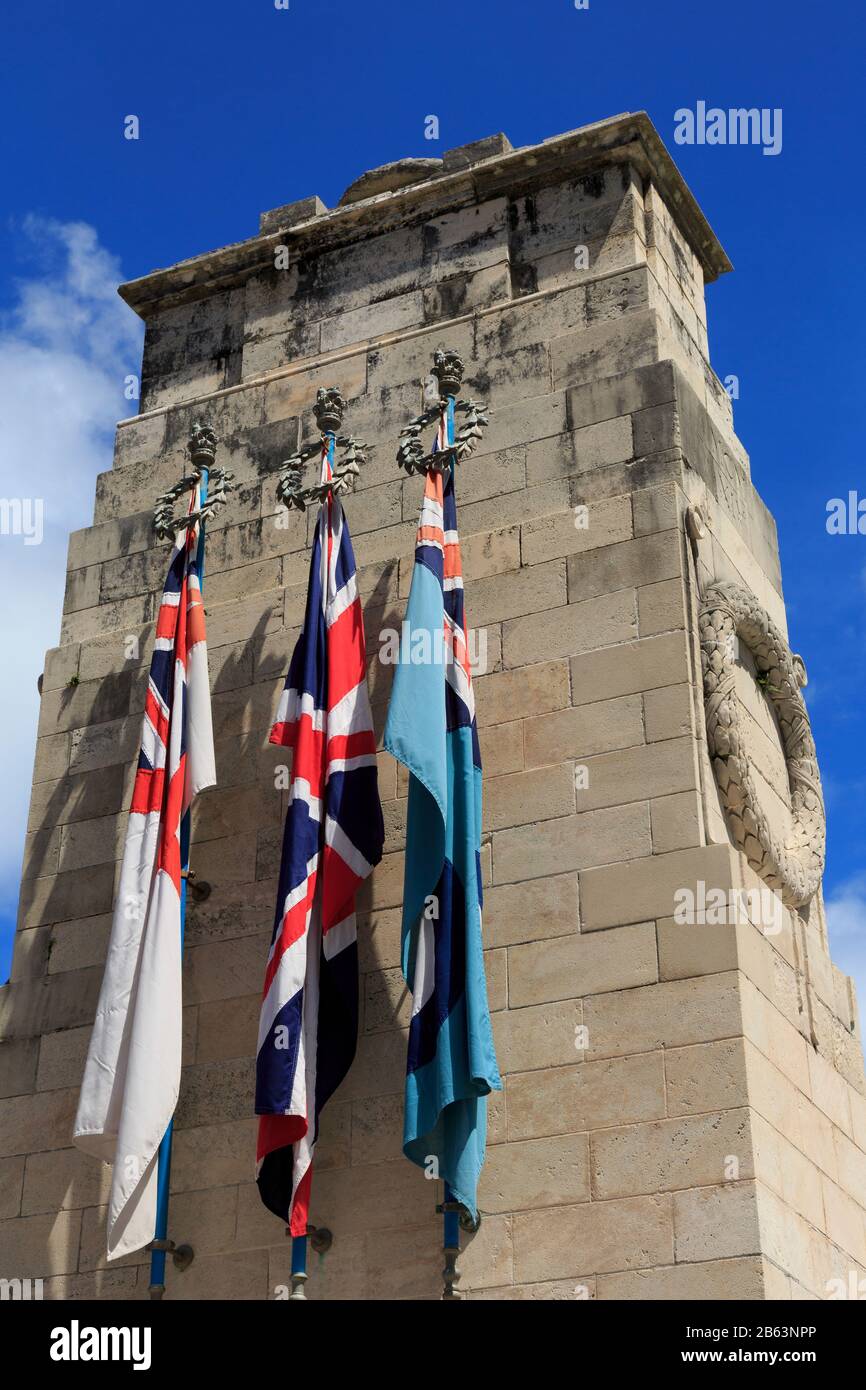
(448, 370)
(202, 446)
(328, 409)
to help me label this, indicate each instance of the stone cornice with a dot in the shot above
(629, 138)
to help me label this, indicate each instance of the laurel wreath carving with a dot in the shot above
(794, 869)
(290, 489)
(166, 524)
(410, 451)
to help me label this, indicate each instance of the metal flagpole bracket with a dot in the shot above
(321, 1240)
(202, 448)
(328, 410)
(448, 369)
(199, 888)
(467, 1221)
(182, 1257)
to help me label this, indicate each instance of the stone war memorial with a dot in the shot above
(683, 1111)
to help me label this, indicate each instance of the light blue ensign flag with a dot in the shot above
(451, 1066)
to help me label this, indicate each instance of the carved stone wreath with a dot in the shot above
(793, 869)
(410, 452)
(290, 487)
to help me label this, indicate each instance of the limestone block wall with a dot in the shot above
(684, 1113)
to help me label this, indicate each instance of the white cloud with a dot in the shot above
(846, 910)
(846, 925)
(65, 347)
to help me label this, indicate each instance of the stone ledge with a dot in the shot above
(624, 139)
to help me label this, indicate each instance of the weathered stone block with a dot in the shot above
(542, 971)
(729, 1280)
(536, 1173)
(572, 842)
(717, 1222)
(631, 564)
(18, 1060)
(584, 730)
(524, 797)
(586, 1096)
(632, 1233)
(674, 1014)
(579, 627)
(516, 912)
(11, 1181)
(666, 1155)
(609, 893)
(509, 695)
(600, 525)
(33, 1247)
(537, 1037)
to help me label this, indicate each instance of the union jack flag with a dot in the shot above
(132, 1074)
(332, 840)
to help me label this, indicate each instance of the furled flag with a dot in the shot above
(451, 1065)
(132, 1074)
(332, 839)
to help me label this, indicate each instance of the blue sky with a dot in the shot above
(243, 107)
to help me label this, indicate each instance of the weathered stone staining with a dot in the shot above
(606, 508)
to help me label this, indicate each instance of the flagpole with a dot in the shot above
(450, 447)
(450, 1213)
(299, 1243)
(161, 1243)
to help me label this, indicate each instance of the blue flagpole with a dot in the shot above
(450, 1225)
(163, 1177)
(450, 1219)
(299, 1269)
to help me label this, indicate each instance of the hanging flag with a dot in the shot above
(132, 1074)
(332, 839)
(451, 1065)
